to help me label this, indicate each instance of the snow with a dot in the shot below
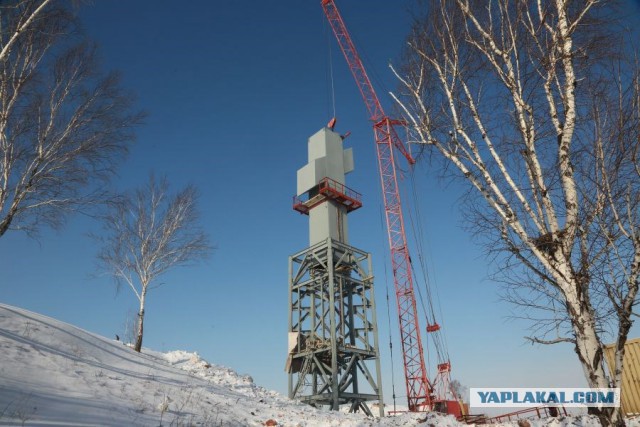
(54, 374)
(584, 421)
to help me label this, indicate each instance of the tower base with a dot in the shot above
(333, 335)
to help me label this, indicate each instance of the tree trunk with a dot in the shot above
(608, 416)
(590, 351)
(588, 346)
(138, 345)
(4, 225)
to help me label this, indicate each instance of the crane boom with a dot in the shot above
(419, 389)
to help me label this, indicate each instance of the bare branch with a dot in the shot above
(535, 340)
(64, 126)
(147, 232)
(23, 25)
(533, 107)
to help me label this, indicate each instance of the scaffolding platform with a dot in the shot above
(327, 189)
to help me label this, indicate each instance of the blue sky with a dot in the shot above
(233, 90)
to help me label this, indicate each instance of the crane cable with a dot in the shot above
(330, 79)
(415, 217)
(428, 314)
(440, 343)
(332, 100)
(386, 284)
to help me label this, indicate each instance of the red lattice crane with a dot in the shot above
(420, 392)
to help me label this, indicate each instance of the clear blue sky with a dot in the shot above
(233, 89)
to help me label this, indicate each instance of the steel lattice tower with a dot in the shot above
(333, 336)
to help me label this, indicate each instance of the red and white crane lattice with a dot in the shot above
(422, 395)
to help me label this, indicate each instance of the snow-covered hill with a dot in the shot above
(52, 373)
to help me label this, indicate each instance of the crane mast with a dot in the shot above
(419, 389)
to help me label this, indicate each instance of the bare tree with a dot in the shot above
(26, 17)
(63, 125)
(461, 392)
(147, 232)
(533, 105)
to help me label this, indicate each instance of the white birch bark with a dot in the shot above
(140, 326)
(63, 125)
(476, 69)
(147, 232)
(27, 20)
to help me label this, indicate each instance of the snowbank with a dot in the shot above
(53, 373)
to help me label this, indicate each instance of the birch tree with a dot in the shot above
(63, 124)
(28, 13)
(148, 232)
(536, 107)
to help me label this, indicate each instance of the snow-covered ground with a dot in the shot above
(54, 374)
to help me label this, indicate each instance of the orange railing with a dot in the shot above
(540, 411)
(326, 189)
